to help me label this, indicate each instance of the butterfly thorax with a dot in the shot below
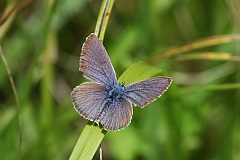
(116, 92)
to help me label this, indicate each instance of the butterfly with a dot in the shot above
(103, 100)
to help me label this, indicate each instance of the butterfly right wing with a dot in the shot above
(146, 91)
(95, 63)
(89, 99)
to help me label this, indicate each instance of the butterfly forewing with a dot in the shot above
(116, 115)
(89, 99)
(95, 63)
(144, 92)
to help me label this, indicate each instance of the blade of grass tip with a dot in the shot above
(203, 43)
(209, 56)
(92, 135)
(16, 101)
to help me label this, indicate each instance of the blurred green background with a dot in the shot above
(197, 118)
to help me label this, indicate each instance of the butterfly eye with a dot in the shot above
(122, 84)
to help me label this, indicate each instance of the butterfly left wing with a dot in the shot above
(146, 91)
(88, 99)
(95, 63)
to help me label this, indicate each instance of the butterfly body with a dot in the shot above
(103, 100)
(116, 92)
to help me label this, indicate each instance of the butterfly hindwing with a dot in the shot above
(89, 99)
(95, 63)
(144, 92)
(116, 115)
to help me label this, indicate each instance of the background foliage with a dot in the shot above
(197, 118)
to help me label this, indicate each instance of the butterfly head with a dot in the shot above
(122, 84)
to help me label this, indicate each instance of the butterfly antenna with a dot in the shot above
(100, 151)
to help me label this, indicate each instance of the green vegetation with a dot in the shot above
(196, 43)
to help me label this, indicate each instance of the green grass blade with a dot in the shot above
(138, 71)
(88, 142)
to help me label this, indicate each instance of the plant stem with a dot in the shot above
(16, 101)
(103, 17)
(92, 135)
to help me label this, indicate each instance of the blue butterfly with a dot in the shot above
(103, 100)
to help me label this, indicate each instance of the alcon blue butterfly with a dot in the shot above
(103, 100)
